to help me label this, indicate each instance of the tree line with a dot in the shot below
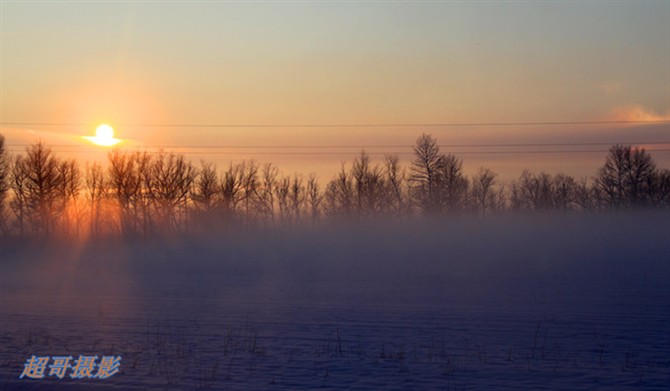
(139, 193)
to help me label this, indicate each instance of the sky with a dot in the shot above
(155, 69)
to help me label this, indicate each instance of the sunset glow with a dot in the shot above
(188, 75)
(104, 136)
(335, 194)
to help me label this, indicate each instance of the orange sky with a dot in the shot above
(76, 65)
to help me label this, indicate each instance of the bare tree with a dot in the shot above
(452, 184)
(43, 187)
(70, 187)
(266, 194)
(624, 180)
(96, 192)
(425, 176)
(4, 184)
(250, 187)
(296, 198)
(544, 192)
(37, 184)
(144, 193)
(370, 187)
(170, 181)
(339, 195)
(395, 180)
(532, 192)
(232, 190)
(293, 199)
(282, 192)
(19, 204)
(438, 184)
(485, 197)
(206, 188)
(130, 179)
(586, 197)
(564, 192)
(659, 188)
(314, 197)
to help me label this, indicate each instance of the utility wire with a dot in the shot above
(353, 125)
(399, 153)
(364, 146)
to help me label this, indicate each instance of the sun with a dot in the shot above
(104, 136)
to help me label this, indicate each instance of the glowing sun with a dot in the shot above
(104, 136)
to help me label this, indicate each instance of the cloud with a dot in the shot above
(637, 113)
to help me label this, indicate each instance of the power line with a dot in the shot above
(352, 125)
(412, 154)
(399, 153)
(364, 146)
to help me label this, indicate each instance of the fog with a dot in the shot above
(491, 286)
(511, 259)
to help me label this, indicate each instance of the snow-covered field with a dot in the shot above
(561, 302)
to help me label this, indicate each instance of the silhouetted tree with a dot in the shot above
(543, 192)
(296, 198)
(452, 184)
(586, 197)
(398, 201)
(232, 190)
(339, 195)
(293, 199)
(624, 181)
(659, 188)
(425, 174)
(484, 195)
(170, 177)
(4, 183)
(314, 197)
(532, 192)
(37, 184)
(437, 180)
(250, 187)
(205, 189)
(564, 192)
(266, 194)
(96, 193)
(363, 191)
(281, 192)
(70, 187)
(142, 193)
(129, 179)
(19, 203)
(370, 191)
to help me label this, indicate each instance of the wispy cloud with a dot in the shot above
(637, 113)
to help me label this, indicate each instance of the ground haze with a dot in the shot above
(565, 301)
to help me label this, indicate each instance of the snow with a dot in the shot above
(556, 301)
